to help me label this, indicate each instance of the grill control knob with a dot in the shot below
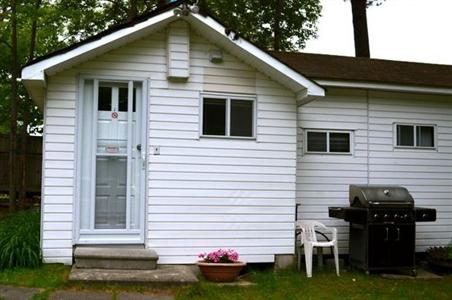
(386, 216)
(396, 216)
(405, 216)
(376, 216)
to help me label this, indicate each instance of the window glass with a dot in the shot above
(316, 141)
(340, 142)
(241, 118)
(425, 136)
(122, 100)
(214, 116)
(405, 135)
(104, 101)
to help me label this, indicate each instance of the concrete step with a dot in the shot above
(115, 258)
(168, 274)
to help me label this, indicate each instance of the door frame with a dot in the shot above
(97, 237)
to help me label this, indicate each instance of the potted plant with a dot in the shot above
(221, 265)
(440, 258)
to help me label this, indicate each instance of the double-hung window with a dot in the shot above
(328, 141)
(415, 136)
(228, 116)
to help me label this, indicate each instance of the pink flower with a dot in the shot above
(220, 256)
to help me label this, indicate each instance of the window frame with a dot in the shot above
(415, 126)
(228, 98)
(328, 131)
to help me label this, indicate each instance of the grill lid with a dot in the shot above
(380, 196)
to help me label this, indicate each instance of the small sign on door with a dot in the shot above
(114, 115)
(112, 149)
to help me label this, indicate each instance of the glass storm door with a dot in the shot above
(112, 163)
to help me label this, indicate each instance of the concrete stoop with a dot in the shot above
(126, 265)
(162, 275)
(115, 258)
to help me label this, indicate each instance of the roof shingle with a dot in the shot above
(343, 68)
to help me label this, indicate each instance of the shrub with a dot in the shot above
(19, 240)
(440, 253)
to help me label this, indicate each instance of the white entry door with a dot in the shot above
(112, 163)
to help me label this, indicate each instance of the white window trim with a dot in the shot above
(415, 125)
(328, 131)
(228, 98)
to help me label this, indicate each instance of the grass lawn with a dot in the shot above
(285, 285)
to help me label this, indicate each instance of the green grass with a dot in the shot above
(285, 285)
(289, 285)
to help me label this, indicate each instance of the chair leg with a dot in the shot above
(299, 259)
(336, 259)
(308, 259)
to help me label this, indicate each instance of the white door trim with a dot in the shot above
(102, 236)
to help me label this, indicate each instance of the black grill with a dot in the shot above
(382, 227)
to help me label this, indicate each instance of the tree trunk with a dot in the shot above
(277, 25)
(360, 28)
(13, 124)
(133, 10)
(161, 3)
(26, 113)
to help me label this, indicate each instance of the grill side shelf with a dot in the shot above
(349, 214)
(424, 214)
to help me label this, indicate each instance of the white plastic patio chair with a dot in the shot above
(308, 240)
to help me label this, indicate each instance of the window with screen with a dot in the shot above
(415, 136)
(326, 141)
(228, 117)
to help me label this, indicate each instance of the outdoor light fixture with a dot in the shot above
(215, 56)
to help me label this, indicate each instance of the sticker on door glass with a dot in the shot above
(114, 115)
(112, 149)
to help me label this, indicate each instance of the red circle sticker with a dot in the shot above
(114, 115)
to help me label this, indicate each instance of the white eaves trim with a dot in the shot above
(38, 70)
(265, 60)
(385, 87)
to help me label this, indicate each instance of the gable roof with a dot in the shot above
(343, 68)
(34, 73)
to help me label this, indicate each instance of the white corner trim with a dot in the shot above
(37, 71)
(385, 87)
(313, 89)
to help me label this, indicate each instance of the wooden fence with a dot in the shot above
(34, 165)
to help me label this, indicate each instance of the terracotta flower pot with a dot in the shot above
(221, 272)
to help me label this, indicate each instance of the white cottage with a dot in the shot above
(174, 134)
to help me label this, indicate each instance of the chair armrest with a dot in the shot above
(333, 232)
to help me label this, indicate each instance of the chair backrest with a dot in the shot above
(308, 229)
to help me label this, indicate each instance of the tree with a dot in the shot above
(360, 30)
(277, 25)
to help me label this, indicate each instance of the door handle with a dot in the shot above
(387, 234)
(398, 234)
(139, 147)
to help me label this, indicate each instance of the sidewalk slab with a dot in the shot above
(80, 295)
(17, 293)
(138, 296)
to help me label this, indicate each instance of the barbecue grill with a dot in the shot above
(382, 227)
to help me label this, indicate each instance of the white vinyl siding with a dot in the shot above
(210, 193)
(323, 181)
(202, 193)
(59, 169)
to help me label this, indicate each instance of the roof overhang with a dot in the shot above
(385, 87)
(34, 75)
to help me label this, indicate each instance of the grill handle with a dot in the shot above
(387, 234)
(398, 234)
